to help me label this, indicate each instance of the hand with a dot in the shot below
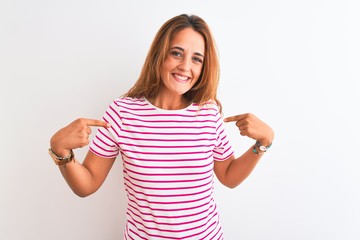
(75, 135)
(250, 126)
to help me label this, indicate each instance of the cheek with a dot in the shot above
(197, 72)
(166, 67)
(163, 70)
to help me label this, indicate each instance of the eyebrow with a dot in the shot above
(181, 49)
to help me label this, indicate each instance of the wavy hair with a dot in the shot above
(149, 81)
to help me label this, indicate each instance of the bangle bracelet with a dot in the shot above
(255, 151)
(62, 161)
(262, 148)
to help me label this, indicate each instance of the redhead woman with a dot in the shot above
(169, 133)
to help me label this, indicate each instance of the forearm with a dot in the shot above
(86, 177)
(241, 167)
(79, 178)
(234, 171)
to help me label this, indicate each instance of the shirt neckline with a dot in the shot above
(168, 110)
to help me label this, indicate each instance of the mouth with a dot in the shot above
(181, 78)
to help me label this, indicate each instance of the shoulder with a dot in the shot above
(128, 102)
(209, 106)
(122, 107)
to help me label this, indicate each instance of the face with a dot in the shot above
(184, 62)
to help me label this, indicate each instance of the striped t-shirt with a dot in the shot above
(167, 160)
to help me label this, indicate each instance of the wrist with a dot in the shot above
(265, 143)
(61, 152)
(259, 149)
(267, 138)
(62, 161)
(58, 149)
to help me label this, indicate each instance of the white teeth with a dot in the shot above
(183, 78)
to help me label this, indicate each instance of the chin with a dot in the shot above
(181, 93)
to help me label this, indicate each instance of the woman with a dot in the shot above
(169, 131)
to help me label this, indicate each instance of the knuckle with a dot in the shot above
(252, 116)
(249, 116)
(84, 142)
(81, 121)
(78, 120)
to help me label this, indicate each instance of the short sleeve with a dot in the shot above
(224, 148)
(105, 143)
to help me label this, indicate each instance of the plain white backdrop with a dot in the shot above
(295, 64)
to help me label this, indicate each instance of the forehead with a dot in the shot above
(189, 39)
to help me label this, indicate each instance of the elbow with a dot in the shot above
(228, 184)
(81, 193)
(231, 185)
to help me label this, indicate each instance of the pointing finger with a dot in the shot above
(97, 123)
(234, 118)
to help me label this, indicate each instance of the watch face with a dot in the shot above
(262, 148)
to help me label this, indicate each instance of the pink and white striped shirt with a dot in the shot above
(168, 167)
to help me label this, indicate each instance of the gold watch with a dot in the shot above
(61, 161)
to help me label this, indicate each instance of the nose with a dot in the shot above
(185, 64)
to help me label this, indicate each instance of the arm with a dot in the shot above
(233, 171)
(84, 179)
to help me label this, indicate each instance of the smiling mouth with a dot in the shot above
(180, 78)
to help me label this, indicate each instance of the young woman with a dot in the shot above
(170, 134)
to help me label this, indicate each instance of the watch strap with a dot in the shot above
(61, 161)
(262, 148)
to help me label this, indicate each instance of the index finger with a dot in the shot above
(234, 118)
(97, 123)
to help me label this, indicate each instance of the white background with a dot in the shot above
(295, 64)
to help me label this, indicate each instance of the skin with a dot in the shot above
(233, 171)
(179, 73)
(84, 179)
(181, 69)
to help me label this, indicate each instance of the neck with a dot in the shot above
(169, 102)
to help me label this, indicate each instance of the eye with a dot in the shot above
(197, 59)
(176, 53)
